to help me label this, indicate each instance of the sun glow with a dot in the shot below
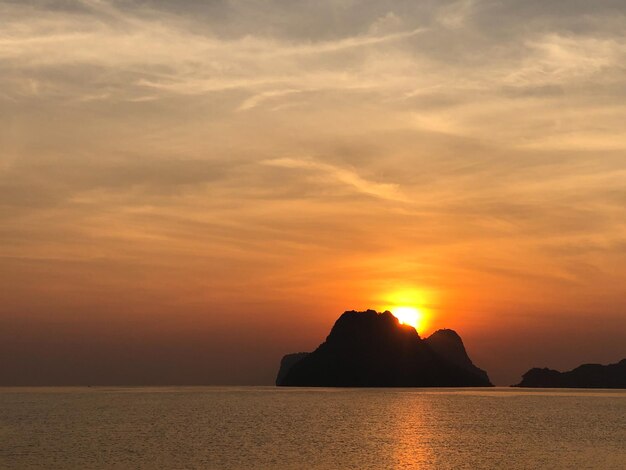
(409, 316)
(411, 307)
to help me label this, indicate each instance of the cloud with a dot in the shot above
(558, 59)
(345, 176)
(456, 14)
(255, 100)
(152, 133)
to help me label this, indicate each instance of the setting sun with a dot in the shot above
(410, 306)
(409, 316)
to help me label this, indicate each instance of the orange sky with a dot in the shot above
(188, 193)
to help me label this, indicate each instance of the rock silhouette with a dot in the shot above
(287, 363)
(584, 376)
(371, 349)
(449, 345)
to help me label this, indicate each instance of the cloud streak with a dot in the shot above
(347, 177)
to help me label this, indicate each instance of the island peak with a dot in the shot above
(373, 349)
(583, 376)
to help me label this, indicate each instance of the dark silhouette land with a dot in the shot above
(371, 349)
(287, 363)
(584, 376)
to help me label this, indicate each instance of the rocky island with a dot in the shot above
(371, 349)
(584, 376)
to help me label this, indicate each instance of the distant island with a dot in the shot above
(584, 376)
(371, 349)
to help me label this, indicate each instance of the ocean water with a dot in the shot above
(267, 427)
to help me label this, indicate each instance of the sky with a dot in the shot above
(190, 189)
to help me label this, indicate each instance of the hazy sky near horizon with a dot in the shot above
(190, 189)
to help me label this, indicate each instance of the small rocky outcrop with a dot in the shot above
(371, 349)
(584, 376)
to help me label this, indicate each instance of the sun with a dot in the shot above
(409, 316)
(411, 306)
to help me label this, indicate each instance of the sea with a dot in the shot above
(311, 428)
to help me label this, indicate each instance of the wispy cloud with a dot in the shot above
(347, 177)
